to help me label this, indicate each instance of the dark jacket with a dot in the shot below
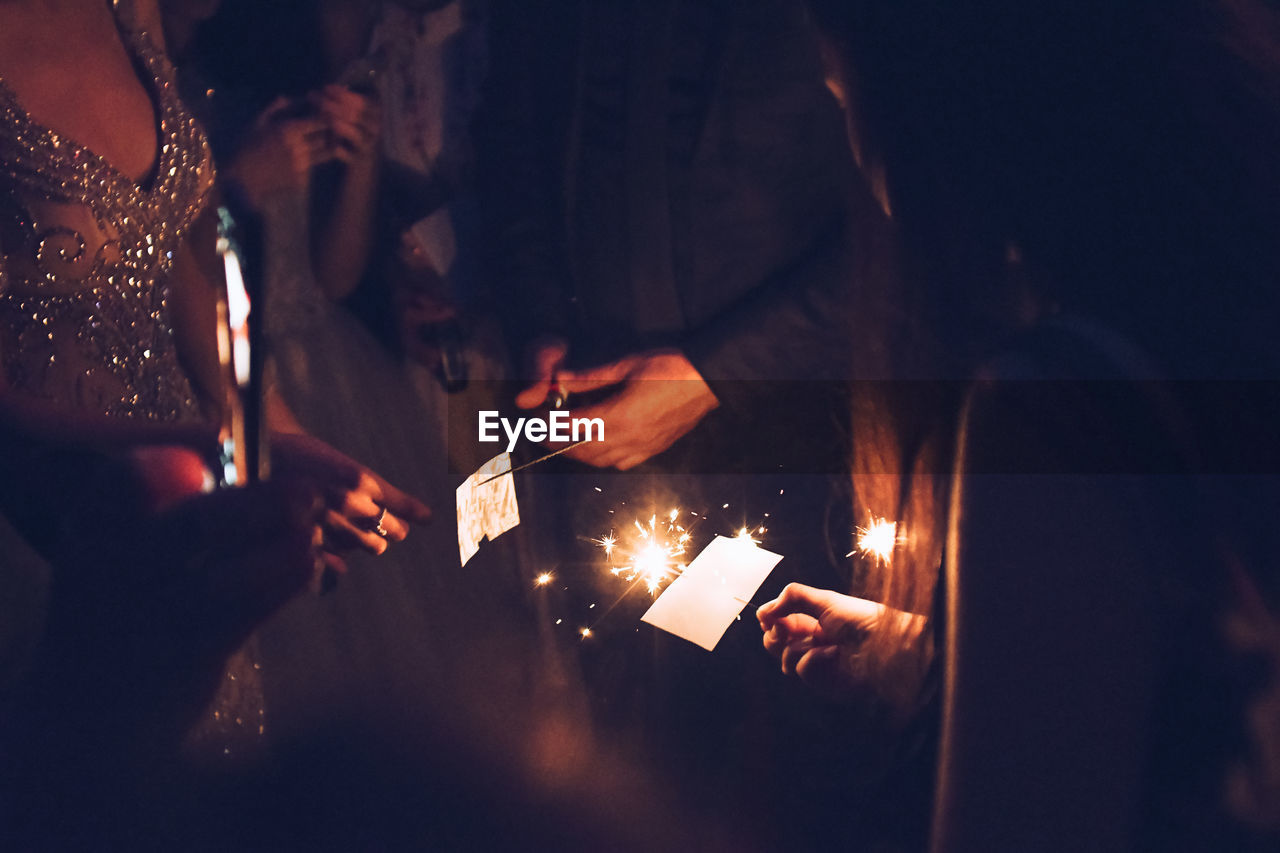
(674, 173)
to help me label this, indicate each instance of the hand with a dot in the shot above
(661, 397)
(157, 555)
(354, 497)
(816, 632)
(280, 153)
(354, 122)
(546, 358)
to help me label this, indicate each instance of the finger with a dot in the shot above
(793, 652)
(273, 109)
(797, 598)
(321, 152)
(548, 359)
(633, 461)
(342, 534)
(354, 503)
(534, 395)
(591, 379)
(311, 458)
(401, 504)
(819, 667)
(775, 640)
(328, 569)
(337, 96)
(791, 628)
(545, 361)
(365, 513)
(310, 127)
(348, 133)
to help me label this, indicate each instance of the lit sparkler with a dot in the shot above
(653, 555)
(878, 539)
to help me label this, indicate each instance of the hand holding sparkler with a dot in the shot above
(660, 397)
(816, 632)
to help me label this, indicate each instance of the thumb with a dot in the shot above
(532, 397)
(545, 361)
(797, 598)
(548, 359)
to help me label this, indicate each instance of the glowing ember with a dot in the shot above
(586, 632)
(878, 539)
(544, 579)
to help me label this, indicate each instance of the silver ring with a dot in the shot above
(377, 524)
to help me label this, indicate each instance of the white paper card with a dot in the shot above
(702, 603)
(486, 504)
(498, 486)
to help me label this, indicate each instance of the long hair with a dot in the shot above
(1115, 160)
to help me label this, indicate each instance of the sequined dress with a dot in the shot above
(86, 255)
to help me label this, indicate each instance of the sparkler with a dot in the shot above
(655, 551)
(654, 554)
(553, 454)
(878, 539)
(660, 547)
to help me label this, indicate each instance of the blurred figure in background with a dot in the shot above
(1065, 419)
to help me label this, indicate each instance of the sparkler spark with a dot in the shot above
(607, 543)
(654, 551)
(653, 556)
(878, 539)
(544, 579)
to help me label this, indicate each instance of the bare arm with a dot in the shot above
(344, 233)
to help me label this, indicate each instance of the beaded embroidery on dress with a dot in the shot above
(86, 253)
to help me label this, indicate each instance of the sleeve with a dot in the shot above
(798, 324)
(520, 166)
(782, 217)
